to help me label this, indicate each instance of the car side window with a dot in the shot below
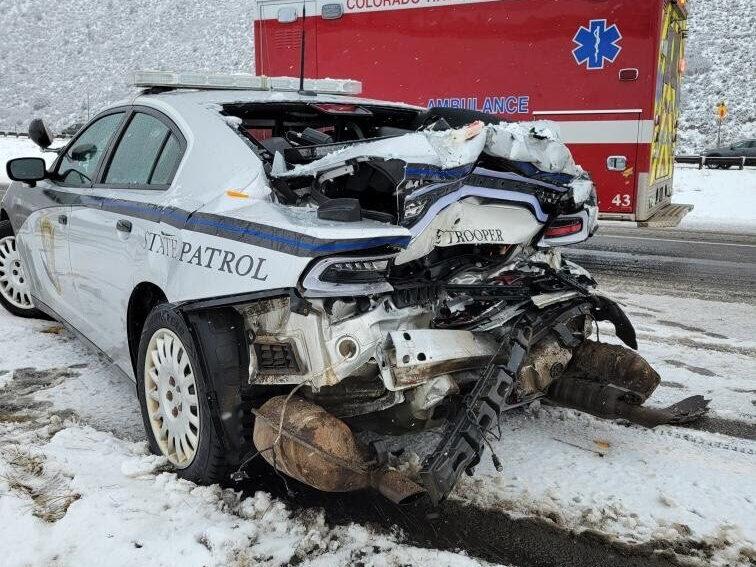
(147, 154)
(167, 163)
(740, 145)
(80, 162)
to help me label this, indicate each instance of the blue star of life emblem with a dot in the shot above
(596, 44)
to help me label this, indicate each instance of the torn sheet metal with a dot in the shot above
(538, 143)
(447, 149)
(421, 354)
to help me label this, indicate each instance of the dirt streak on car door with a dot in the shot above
(43, 243)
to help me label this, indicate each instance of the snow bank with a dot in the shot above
(19, 147)
(724, 200)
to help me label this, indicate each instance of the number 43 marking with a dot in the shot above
(621, 200)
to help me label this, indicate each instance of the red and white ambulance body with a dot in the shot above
(608, 71)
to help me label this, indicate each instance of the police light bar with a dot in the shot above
(327, 86)
(241, 81)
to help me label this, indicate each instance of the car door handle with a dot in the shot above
(62, 219)
(123, 225)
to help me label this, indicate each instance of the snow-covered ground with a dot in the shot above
(77, 484)
(65, 61)
(637, 484)
(724, 200)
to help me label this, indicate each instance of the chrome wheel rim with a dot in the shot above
(14, 286)
(171, 398)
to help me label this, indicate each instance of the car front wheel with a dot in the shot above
(15, 295)
(173, 397)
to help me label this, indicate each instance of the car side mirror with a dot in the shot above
(82, 152)
(40, 134)
(27, 170)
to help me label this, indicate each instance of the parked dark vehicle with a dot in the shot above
(744, 148)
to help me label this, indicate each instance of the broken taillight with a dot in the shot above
(564, 228)
(356, 271)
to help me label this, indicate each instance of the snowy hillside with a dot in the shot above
(721, 66)
(70, 61)
(58, 58)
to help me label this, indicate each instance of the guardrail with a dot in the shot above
(10, 134)
(14, 134)
(709, 161)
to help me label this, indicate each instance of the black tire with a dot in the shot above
(713, 165)
(6, 231)
(209, 464)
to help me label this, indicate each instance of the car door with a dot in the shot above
(109, 240)
(45, 233)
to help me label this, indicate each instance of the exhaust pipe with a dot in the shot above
(396, 487)
(307, 443)
(609, 402)
(611, 381)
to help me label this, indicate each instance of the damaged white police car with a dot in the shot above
(332, 283)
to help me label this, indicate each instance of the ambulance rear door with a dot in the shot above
(278, 38)
(606, 144)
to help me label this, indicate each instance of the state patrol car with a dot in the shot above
(228, 240)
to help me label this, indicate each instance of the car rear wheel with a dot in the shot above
(173, 397)
(15, 294)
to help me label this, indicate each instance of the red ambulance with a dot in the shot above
(608, 71)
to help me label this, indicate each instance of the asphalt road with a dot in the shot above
(486, 534)
(705, 265)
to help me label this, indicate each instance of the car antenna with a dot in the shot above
(302, 90)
